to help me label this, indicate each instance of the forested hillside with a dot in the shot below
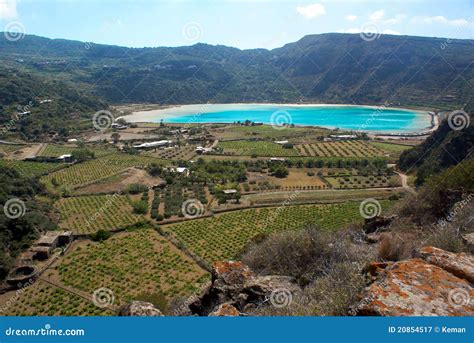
(338, 68)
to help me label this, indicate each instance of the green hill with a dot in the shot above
(339, 68)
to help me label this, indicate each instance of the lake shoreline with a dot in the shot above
(193, 111)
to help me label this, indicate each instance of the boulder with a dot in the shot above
(372, 225)
(415, 288)
(260, 288)
(469, 240)
(140, 309)
(460, 265)
(225, 310)
(234, 285)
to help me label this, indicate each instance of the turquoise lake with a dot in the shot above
(363, 118)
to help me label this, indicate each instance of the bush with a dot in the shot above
(140, 207)
(136, 188)
(304, 254)
(100, 235)
(332, 294)
(392, 248)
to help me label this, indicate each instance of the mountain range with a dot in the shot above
(330, 68)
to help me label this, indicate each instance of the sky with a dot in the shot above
(239, 23)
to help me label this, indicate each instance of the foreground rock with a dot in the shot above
(140, 309)
(416, 287)
(460, 265)
(235, 289)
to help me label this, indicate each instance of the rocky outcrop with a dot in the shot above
(225, 310)
(460, 265)
(434, 285)
(140, 309)
(235, 289)
(469, 241)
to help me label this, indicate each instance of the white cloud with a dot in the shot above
(351, 30)
(459, 22)
(377, 15)
(441, 20)
(395, 20)
(8, 9)
(311, 11)
(369, 30)
(350, 17)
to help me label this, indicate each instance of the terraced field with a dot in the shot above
(180, 153)
(88, 214)
(364, 181)
(42, 299)
(54, 150)
(259, 148)
(96, 169)
(224, 236)
(132, 265)
(31, 169)
(9, 148)
(340, 149)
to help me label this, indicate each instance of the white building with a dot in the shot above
(151, 145)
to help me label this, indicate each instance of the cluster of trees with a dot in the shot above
(22, 113)
(377, 162)
(444, 148)
(16, 234)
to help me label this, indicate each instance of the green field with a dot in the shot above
(224, 236)
(364, 181)
(133, 265)
(340, 149)
(55, 150)
(390, 147)
(31, 169)
(88, 214)
(43, 299)
(99, 168)
(9, 148)
(259, 148)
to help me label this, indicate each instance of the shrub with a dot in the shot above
(392, 248)
(140, 207)
(332, 294)
(136, 188)
(304, 254)
(100, 235)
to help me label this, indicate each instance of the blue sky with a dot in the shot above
(243, 24)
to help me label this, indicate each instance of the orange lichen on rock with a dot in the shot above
(416, 288)
(461, 265)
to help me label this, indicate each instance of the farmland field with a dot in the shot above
(55, 150)
(364, 181)
(391, 147)
(9, 148)
(180, 153)
(259, 148)
(88, 214)
(314, 196)
(340, 149)
(131, 264)
(224, 236)
(99, 168)
(266, 131)
(31, 169)
(43, 299)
